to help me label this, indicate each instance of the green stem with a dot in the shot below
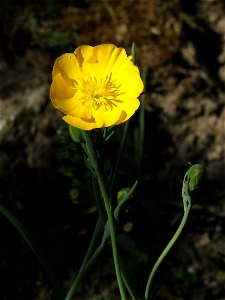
(88, 258)
(84, 267)
(98, 202)
(119, 154)
(38, 253)
(93, 157)
(139, 132)
(128, 286)
(165, 251)
(82, 271)
(115, 254)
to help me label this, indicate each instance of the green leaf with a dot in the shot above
(76, 134)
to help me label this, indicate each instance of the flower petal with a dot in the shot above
(129, 107)
(84, 54)
(81, 123)
(68, 66)
(61, 93)
(110, 57)
(107, 118)
(130, 81)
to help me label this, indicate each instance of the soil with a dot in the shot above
(180, 46)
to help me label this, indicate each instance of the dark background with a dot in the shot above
(44, 182)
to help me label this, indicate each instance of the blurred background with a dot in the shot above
(180, 44)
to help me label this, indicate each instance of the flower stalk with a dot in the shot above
(109, 211)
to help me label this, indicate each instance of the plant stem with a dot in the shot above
(139, 132)
(128, 286)
(164, 253)
(119, 154)
(82, 272)
(36, 250)
(86, 261)
(93, 157)
(116, 258)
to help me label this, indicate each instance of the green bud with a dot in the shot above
(76, 134)
(195, 175)
(121, 194)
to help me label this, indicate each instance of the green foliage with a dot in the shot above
(53, 38)
(99, 297)
(70, 165)
(46, 37)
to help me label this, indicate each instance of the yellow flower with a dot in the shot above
(96, 86)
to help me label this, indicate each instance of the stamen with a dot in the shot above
(99, 93)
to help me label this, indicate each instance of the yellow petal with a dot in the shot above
(80, 123)
(122, 118)
(68, 66)
(130, 81)
(129, 107)
(110, 57)
(107, 118)
(100, 60)
(84, 54)
(61, 94)
(61, 88)
(64, 98)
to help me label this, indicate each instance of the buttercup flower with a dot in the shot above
(96, 86)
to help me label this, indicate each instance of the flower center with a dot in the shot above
(99, 93)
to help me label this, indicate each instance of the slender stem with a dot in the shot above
(98, 201)
(139, 132)
(113, 236)
(115, 255)
(165, 251)
(116, 258)
(128, 286)
(36, 250)
(93, 241)
(85, 263)
(88, 258)
(119, 154)
(102, 185)
(83, 271)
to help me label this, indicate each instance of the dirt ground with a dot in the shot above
(180, 44)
